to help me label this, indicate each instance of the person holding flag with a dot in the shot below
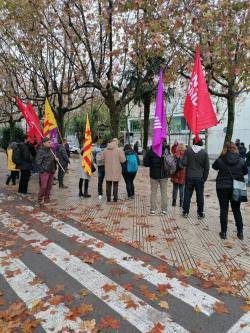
(200, 115)
(154, 158)
(86, 163)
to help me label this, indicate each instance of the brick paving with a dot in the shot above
(189, 244)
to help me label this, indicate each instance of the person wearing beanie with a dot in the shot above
(196, 162)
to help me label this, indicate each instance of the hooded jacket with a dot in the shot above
(230, 165)
(113, 159)
(196, 162)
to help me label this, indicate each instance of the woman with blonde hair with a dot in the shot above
(231, 167)
(178, 178)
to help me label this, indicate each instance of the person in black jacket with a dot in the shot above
(129, 170)
(61, 154)
(25, 166)
(230, 166)
(157, 178)
(197, 168)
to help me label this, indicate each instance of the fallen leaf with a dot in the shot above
(158, 328)
(88, 326)
(163, 288)
(245, 308)
(128, 286)
(151, 238)
(197, 309)
(220, 308)
(35, 281)
(108, 287)
(164, 305)
(130, 304)
(55, 300)
(109, 322)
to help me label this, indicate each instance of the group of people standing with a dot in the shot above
(189, 174)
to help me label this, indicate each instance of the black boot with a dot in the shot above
(80, 187)
(240, 235)
(86, 186)
(174, 202)
(223, 235)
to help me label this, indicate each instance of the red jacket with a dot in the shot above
(179, 176)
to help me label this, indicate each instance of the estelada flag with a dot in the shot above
(198, 108)
(87, 150)
(49, 119)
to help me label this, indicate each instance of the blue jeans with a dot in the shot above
(248, 175)
(192, 184)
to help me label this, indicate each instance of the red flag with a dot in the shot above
(35, 122)
(198, 108)
(32, 120)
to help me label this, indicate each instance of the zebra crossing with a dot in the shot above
(142, 316)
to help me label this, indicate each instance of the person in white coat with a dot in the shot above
(84, 178)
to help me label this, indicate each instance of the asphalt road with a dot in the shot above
(84, 278)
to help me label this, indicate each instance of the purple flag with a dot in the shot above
(53, 138)
(160, 124)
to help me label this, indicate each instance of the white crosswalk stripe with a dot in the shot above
(144, 317)
(242, 325)
(53, 318)
(188, 294)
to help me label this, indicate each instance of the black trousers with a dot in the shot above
(24, 181)
(109, 185)
(129, 180)
(86, 186)
(180, 188)
(60, 175)
(101, 175)
(192, 184)
(12, 177)
(224, 197)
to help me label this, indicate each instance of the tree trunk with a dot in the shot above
(146, 102)
(114, 114)
(12, 130)
(230, 116)
(60, 123)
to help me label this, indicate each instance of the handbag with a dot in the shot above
(239, 189)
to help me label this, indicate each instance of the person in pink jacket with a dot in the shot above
(114, 157)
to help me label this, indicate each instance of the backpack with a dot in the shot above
(17, 155)
(132, 163)
(99, 158)
(169, 164)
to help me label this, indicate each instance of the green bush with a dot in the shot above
(9, 135)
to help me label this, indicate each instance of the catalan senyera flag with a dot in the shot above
(50, 124)
(87, 150)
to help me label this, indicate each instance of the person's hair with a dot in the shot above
(127, 147)
(242, 144)
(229, 147)
(181, 147)
(198, 143)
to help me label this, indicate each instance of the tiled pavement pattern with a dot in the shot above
(187, 244)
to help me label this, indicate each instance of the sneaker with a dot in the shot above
(163, 212)
(63, 186)
(223, 235)
(152, 212)
(240, 235)
(202, 216)
(87, 196)
(100, 197)
(185, 215)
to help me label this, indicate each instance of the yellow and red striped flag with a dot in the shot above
(87, 150)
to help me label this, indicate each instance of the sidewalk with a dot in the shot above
(191, 245)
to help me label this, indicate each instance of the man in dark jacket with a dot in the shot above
(25, 165)
(248, 165)
(46, 164)
(157, 178)
(197, 169)
(63, 158)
